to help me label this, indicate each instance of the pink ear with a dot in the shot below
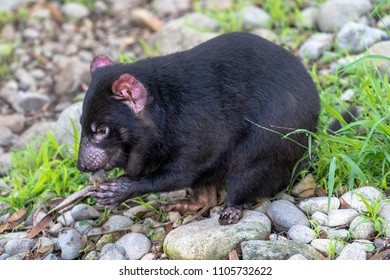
(99, 61)
(131, 91)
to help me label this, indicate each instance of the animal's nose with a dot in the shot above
(81, 166)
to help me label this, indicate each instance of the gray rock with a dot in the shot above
(297, 257)
(339, 234)
(304, 188)
(320, 218)
(27, 102)
(348, 94)
(285, 215)
(302, 233)
(354, 251)
(172, 7)
(369, 193)
(117, 222)
(265, 33)
(319, 204)
(341, 217)
(253, 17)
(26, 80)
(111, 251)
(136, 245)
(173, 37)
(51, 257)
(356, 37)
(361, 228)
(175, 218)
(8, 5)
(35, 134)
(14, 122)
(327, 246)
(316, 45)
(17, 246)
(202, 22)
(308, 17)
(84, 212)
(384, 22)
(84, 226)
(56, 228)
(263, 205)
(384, 213)
(207, 239)
(334, 14)
(277, 250)
(17, 257)
(7, 138)
(4, 256)
(149, 257)
(381, 48)
(70, 244)
(66, 121)
(92, 256)
(66, 219)
(4, 238)
(45, 244)
(31, 33)
(105, 239)
(74, 10)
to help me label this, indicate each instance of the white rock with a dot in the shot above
(369, 193)
(340, 217)
(316, 45)
(327, 246)
(361, 228)
(354, 251)
(136, 245)
(313, 204)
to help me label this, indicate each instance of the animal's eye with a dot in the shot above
(102, 131)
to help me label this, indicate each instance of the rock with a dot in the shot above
(348, 94)
(171, 7)
(84, 226)
(341, 217)
(202, 22)
(353, 197)
(140, 228)
(253, 17)
(5, 165)
(327, 247)
(263, 205)
(56, 228)
(144, 18)
(35, 134)
(297, 257)
(175, 218)
(285, 214)
(26, 80)
(7, 138)
(332, 15)
(149, 257)
(384, 22)
(31, 33)
(45, 245)
(51, 257)
(66, 219)
(138, 211)
(66, 121)
(92, 256)
(320, 218)
(277, 250)
(14, 122)
(356, 37)
(117, 222)
(73, 73)
(354, 251)
(313, 204)
(384, 213)
(105, 239)
(17, 246)
(301, 233)
(70, 244)
(112, 252)
(84, 212)
(304, 188)
(316, 45)
(28, 102)
(207, 239)
(265, 33)
(8, 5)
(339, 234)
(136, 245)
(74, 10)
(308, 17)
(381, 48)
(174, 37)
(361, 228)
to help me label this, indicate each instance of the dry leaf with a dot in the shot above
(233, 256)
(344, 204)
(5, 227)
(40, 226)
(17, 216)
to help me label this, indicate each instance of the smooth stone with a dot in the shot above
(74, 10)
(28, 102)
(84, 226)
(297, 257)
(302, 233)
(5, 166)
(384, 213)
(286, 215)
(341, 217)
(277, 250)
(7, 138)
(35, 134)
(381, 48)
(66, 219)
(172, 7)
(105, 239)
(316, 45)
(253, 17)
(92, 256)
(17, 246)
(325, 246)
(304, 188)
(51, 257)
(70, 244)
(361, 228)
(313, 204)
(175, 218)
(84, 212)
(135, 245)
(357, 37)
(202, 22)
(14, 122)
(45, 244)
(207, 239)
(339, 234)
(111, 251)
(352, 198)
(308, 17)
(117, 222)
(320, 218)
(354, 251)
(26, 80)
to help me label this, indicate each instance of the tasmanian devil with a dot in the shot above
(215, 115)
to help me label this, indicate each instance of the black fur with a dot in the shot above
(197, 126)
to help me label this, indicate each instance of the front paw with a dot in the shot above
(111, 193)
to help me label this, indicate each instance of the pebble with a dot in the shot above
(70, 244)
(18, 246)
(331, 233)
(84, 212)
(74, 10)
(354, 251)
(111, 251)
(384, 22)
(15, 122)
(29, 102)
(117, 222)
(285, 214)
(253, 17)
(304, 188)
(202, 22)
(175, 218)
(171, 7)
(333, 14)
(207, 239)
(7, 138)
(308, 17)
(352, 198)
(381, 48)
(135, 245)
(66, 219)
(384, 213)
(316, 45)
(301, 233)
(297, 257)
(26, 80)
(84, 226)
(277, 250)
(105, 239)
(361, 228)
(327, 246)
(313, 204)
(341, 217)
(51, 257)
(35, 134)
(92, 256)
(320, 218)
(356, 37)
(45, 244)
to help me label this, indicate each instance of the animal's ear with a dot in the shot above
(130, 91)
(99, 61)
